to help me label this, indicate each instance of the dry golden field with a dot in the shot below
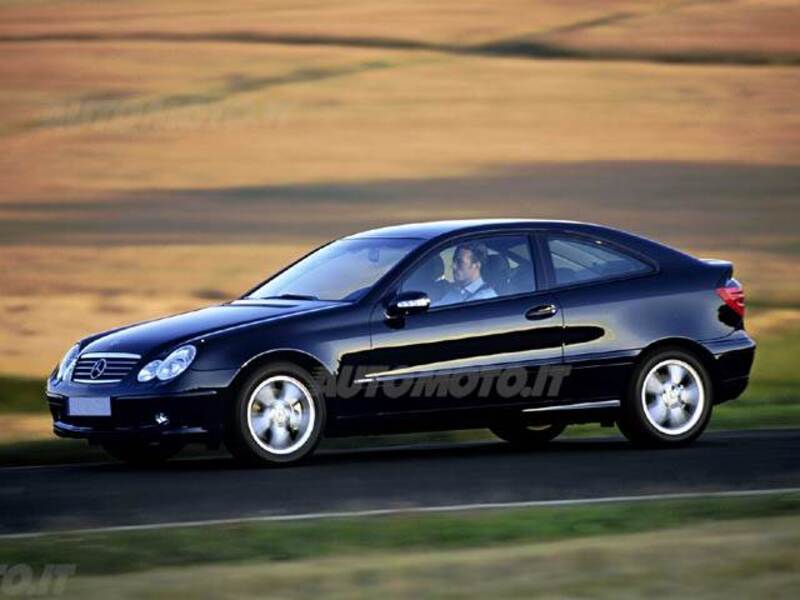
(743, 559)
(160, 156)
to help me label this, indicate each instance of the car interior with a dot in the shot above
(575, 261)
(508, 269)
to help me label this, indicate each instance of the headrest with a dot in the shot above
(429, 271)
(495, 271)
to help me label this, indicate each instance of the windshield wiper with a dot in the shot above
(290, 297)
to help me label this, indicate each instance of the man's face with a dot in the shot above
(465, 269)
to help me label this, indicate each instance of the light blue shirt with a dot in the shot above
(468, 293)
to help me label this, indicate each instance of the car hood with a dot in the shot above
(161, 334)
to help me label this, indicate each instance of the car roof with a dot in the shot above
(433, 229)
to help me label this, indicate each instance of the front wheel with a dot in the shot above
(669, 401)
(278, 416)
(527, 436)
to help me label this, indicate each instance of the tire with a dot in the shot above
(527, 436)
(277, 416)
(669, 400)
(143, 454)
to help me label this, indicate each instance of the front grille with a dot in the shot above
(104, 367)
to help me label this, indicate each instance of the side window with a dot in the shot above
(474, 269)
(577, 259)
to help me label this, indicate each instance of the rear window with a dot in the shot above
(578, 259)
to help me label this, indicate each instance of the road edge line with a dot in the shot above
(378, 512)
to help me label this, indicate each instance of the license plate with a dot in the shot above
(95, 406)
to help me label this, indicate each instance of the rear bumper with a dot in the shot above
(193, 417)
(733, 360)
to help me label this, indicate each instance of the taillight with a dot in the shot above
(733, 295)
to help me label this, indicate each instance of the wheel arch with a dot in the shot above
(693, 347)
(308, 361)
(289, 357)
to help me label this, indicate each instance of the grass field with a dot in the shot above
(719, 564)
(713, 547)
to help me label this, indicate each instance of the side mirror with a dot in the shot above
(408, 303)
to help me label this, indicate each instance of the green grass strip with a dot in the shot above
(131, 551)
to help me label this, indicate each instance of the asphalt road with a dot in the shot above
(88, 496)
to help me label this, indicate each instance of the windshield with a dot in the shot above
(341, 271)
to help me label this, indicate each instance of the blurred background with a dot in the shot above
(159, 156)
(155, 157)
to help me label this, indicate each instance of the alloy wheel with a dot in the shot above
(673, 397)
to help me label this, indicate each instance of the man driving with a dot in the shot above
(468, 260)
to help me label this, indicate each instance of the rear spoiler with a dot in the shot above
(723, 267)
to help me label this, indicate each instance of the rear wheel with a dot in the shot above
(278, 416)
(142, 453)
(669, 401)
(527, 436)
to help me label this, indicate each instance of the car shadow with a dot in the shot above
(430, 452)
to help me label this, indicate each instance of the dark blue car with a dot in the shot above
(521, 326)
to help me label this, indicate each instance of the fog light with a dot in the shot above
(162, 419)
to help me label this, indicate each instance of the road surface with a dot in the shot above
(35, 499)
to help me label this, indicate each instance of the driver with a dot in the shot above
(468, 260)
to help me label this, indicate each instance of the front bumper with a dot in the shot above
(194, 404)
(191, 416)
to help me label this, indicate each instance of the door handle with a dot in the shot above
(543, 311)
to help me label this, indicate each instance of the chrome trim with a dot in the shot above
(579, 406)
(83, 370)
(110, 355)
(414, 303)
(490, 362)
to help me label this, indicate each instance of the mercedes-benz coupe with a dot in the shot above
(520, 326)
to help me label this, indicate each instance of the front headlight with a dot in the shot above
(148, 372)
(68, 363)
(169, 368)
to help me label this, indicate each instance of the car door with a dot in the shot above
(461, 340)
(602, 290)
